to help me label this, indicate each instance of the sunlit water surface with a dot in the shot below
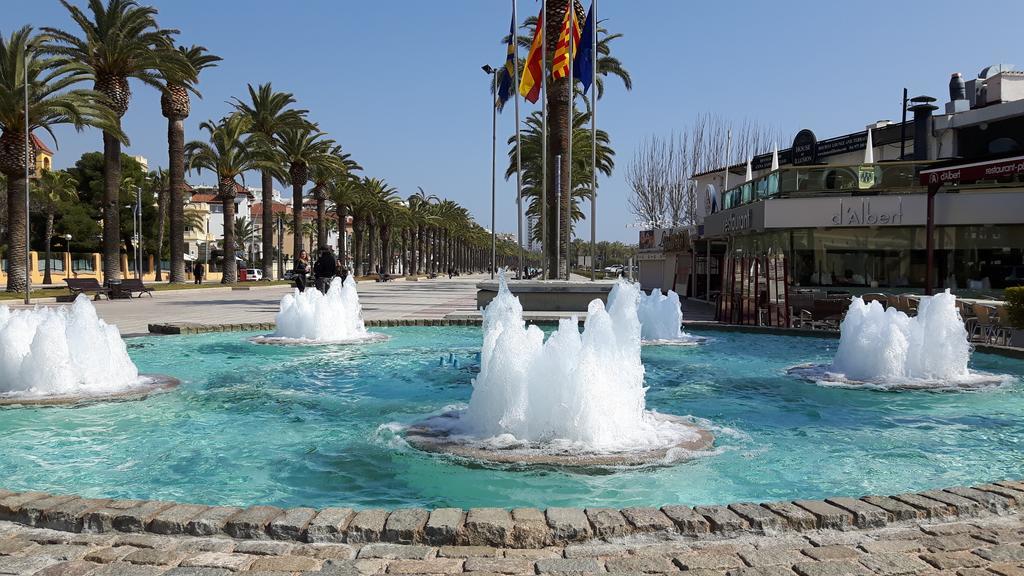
(313, 426)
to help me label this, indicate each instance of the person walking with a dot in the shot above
(325, 268)
(199, 270)
(301, 269)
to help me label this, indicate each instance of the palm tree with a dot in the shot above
(379, 200)
(51, 190)
(300, 149)
(324, 175)
(159, 183)
(244, 230)
(120, 41)
(175, 105)
(532, 138)
(345, 191)
(558, 102)
(226, 156)
(52, 102)
(421, 214)
(268, 115)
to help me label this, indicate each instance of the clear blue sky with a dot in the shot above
(399, 84)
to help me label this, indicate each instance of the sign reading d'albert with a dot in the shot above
(861, 212)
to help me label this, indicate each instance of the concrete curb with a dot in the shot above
(520, 528)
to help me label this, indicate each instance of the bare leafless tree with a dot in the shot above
(646, 177)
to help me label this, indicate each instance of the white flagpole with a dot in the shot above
(28, 185)
(593, 143)
(544, 140)
(567, 213)
(519, 145)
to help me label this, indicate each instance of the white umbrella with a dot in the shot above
(869, 150)
(750, 171)
(775, 157)
(189, 258)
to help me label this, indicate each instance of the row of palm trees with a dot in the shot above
(120, 40)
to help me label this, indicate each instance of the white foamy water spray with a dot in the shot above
(884, 348)
(62, 352)
(314, 317)
(661, 319)
(575, 391)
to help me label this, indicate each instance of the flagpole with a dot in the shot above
(567, 216)
(28, 185)
(519, 146)
(544, 139)
(593, 143)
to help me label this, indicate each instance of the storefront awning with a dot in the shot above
(973, 172)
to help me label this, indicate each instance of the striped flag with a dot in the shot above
(529, 86)
(570, 25)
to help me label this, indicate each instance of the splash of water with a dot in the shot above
(878, 344)
(576, 391)
(62, 352)
(661, 318)
(313, 316)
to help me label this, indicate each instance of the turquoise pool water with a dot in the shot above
(312, 426)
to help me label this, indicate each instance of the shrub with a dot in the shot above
(1015, 305)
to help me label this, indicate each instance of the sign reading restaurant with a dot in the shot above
(971, 173)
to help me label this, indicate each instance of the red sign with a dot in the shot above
(971, 173)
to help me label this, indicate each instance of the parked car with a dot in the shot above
(253, 274)
(289, 274)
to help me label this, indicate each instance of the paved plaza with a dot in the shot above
(990, 546)
(380, 300)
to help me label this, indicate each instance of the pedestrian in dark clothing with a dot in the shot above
(325, 268)
(343, 274)
(301, 269)
(198, 270)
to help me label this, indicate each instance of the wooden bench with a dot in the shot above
(87, 286)
(130, 286)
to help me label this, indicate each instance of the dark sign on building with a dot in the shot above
(805, 148)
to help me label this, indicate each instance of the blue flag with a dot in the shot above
(506, 74)
(583, 64)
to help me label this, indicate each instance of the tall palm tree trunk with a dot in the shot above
(372, 261)
(342, 212)
(229, 270)
(17, 220)
(321, 221)
(558, 143)
(161, 209)
(176, 202)
(267, 197)
(49, 237)
(420, 260)
(111, 212)
(357, 245)
(297, 217)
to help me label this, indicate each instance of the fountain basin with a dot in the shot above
(148, 384)
(826, 375)
(435, 435)
(270, 339)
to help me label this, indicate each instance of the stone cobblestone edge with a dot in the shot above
(519, 528)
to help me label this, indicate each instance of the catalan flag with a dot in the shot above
(529, 86)
(508, 72)
(563, 51)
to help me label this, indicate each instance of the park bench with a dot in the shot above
(87, 286)
(130, 286)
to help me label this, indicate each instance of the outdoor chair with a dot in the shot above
(87, 286)
(876, 297)
(984, 327)
(966, 310)
(1002, 331)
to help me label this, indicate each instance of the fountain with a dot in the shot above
(574, 399)
(312, 317)
(67, 355)
(883, 348)
(661, 319)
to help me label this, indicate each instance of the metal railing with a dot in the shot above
(838, 179)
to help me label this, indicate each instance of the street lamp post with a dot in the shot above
(67, 247)
(493, 73)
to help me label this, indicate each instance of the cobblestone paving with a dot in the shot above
(989, 546)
